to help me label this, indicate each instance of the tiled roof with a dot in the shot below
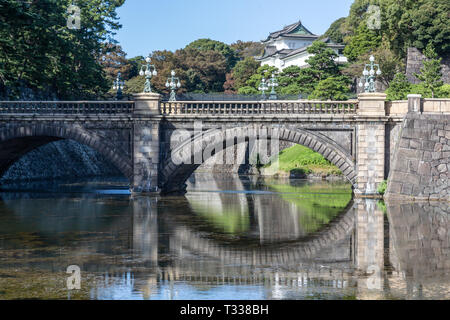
(296, 30)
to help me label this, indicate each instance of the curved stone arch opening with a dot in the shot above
(337, 230)
(34, 136)
(174, 175)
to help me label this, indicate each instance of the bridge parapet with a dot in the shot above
(66, 107)
(258, 107)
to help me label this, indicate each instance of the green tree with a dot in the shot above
(248, 90)
(399, 88)
(212, 45)
(136, 64)
(243, 70)
(390, 65)
(322, 63)
(359, 15)
(363, 41)
(264, 71)
(113, 60)
(39, 52)
(332, 88)
(336, 31)
(417, 22)
(431, 74)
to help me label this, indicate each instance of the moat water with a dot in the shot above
(229, 237)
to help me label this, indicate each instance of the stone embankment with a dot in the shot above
(421, 168)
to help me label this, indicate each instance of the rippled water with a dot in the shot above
(229, 237)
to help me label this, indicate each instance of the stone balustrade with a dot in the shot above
(66, 107)
(258, 107)
(398, 108)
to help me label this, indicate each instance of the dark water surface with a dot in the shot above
(229, 237)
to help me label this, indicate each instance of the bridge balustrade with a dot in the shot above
(66, 107)
(258, 107)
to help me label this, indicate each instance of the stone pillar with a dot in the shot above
(414, 103)
(370, 148)
(146, 143)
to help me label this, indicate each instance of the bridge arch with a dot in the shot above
(16, 141)
(174, 175)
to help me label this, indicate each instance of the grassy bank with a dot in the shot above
(300, 161)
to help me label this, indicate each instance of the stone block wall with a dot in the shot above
(414, 63)
(421, 168)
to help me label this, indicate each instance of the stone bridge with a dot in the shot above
(157, 145)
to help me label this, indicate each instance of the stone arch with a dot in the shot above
(32, 136)
(174, 175)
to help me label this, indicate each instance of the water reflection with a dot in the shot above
(229, 238)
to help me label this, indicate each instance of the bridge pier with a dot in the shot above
(146, 140)
(370, 148)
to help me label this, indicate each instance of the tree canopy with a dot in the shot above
(38, 52)
(212, 45)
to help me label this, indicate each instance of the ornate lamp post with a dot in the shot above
(173, 83)
(118, 85)
(263, 87)
(369, 75)
(273, 83)
(148, 74)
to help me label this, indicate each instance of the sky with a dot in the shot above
(149, 25)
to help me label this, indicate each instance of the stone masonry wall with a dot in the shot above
(414, 63)
(421, 167)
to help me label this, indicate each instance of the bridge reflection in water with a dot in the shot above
(252, 242)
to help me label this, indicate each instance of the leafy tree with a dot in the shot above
(212, 45)
(243, 70)
(359, 15)
(264, 71)
(252, 84)
(134, 85)
(399, 88)
(39, 52)
(431, 74)
(444, 91)
(336, 31)
(113, 61)
(363, 41)
(248, 90)
(322, 63)
(417, 22)
(229, 85)
(332, 88)
(136, 64)
(390, 65)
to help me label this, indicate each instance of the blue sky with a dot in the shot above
(150, 25)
